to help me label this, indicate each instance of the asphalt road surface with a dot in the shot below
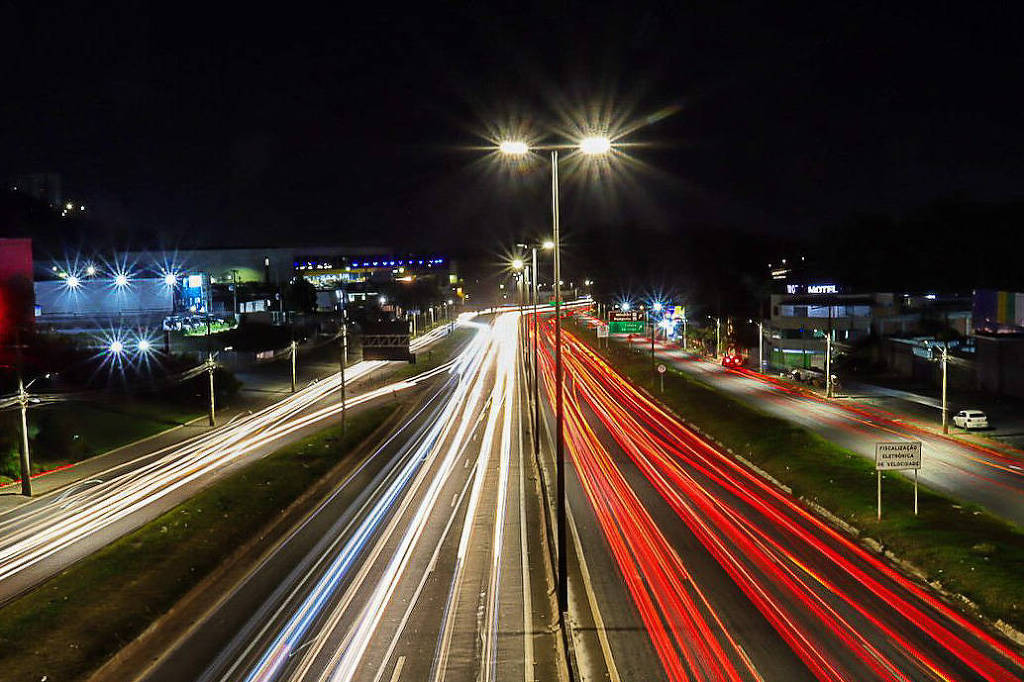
(423, 564)
(40, 538)
(687, 565)
(972, 472)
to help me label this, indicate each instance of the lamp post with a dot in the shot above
(26, 477)
(342, 361)
(945, 407)
(828, 365)
(536, 335)
(589, 146)
(294, 349)
(655, 308)
(210, 367)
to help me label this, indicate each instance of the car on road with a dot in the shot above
(971, 419)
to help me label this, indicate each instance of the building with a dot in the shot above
(16, 302)
(999, 337)
(73, 303)
(145, 288)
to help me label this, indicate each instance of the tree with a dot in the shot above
(300, 295)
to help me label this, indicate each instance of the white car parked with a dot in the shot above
(971, 419)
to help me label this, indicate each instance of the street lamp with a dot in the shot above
(590, 146)
(514, 148)
(595, 145)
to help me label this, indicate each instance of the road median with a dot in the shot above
(957, 547)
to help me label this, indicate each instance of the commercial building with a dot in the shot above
(802, 317)
(143, 288)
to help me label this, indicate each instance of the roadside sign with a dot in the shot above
(627, 327)
(623, 315)
(661, 369)
(896, 455)
(602, 331)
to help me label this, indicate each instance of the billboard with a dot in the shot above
(998, 312)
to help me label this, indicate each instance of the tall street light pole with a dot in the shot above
(563, 560)
(536, 388)
(590, 146)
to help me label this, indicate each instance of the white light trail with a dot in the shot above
(43, 532)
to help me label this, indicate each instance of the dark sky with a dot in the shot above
(288, 123)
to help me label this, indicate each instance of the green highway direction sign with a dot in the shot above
(626, 326)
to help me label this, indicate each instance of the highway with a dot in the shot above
(985, 476)
(425, 563)
(687, 565)
(42, 537)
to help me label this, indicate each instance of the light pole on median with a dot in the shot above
(589, 146)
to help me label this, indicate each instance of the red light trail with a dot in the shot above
(845, 613)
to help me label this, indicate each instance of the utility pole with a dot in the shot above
(945, 407)
(654, 368)
(26, 476)
(210, 366)
(828, 365)
(760, 346)
(343, 361)
(294, 349)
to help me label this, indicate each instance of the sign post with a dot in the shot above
(661, 375)
(602, 333)
(897, 455)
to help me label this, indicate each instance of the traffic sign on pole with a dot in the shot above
(897, 455)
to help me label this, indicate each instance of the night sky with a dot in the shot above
(195, 125)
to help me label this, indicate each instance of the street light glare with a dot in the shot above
(144, 345)
(121, 280)
(517, 264)
(514, 147)
(90, 270)
(548, 244)
(594, 146)
(657, 307)
(116, 347)
(170, 279)
(73, 282)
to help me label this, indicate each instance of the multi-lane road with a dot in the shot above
(54, 530)
(424, 564)
(694, 567)
(430, 559)
(967, 470)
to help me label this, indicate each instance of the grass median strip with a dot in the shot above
(960, 545)
(72, 623)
